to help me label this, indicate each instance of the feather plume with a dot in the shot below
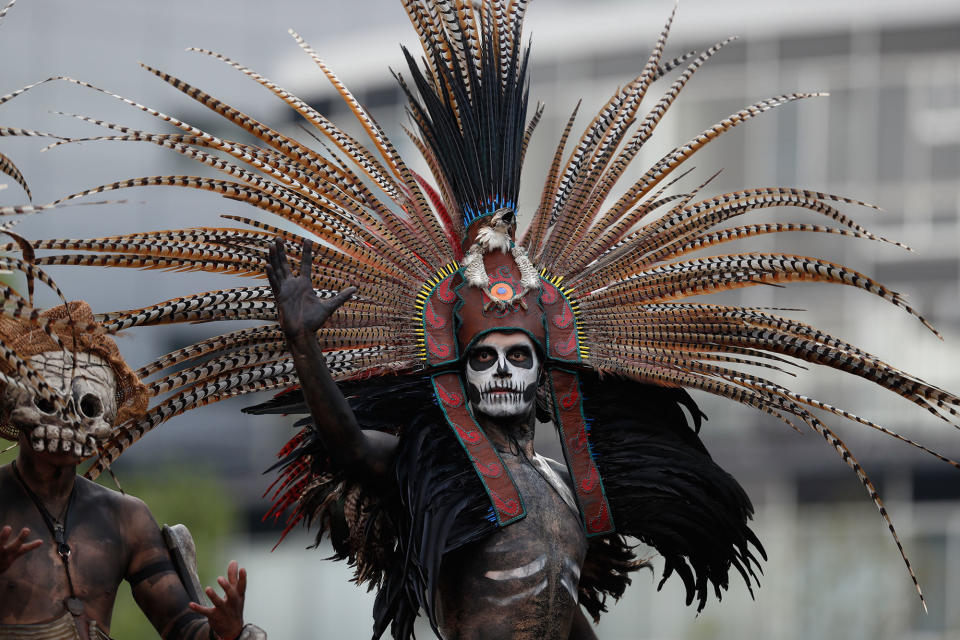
(627, 266)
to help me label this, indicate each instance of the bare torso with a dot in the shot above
(112, 537)
(521, 582)
(35, 587)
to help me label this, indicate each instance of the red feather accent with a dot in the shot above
(449, 230)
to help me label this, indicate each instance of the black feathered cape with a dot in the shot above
(663, 487)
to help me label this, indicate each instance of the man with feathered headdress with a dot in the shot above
(424, 381)
(518, 532)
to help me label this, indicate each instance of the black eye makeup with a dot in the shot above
(482, 358)
(521, 357)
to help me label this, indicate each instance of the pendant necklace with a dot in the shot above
(60, 532)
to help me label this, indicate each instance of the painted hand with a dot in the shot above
(18, 547)
(300, 312)
(226, 615)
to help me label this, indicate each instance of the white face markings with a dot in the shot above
(89, 388)
(502, 372)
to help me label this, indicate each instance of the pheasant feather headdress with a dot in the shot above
(602, 283)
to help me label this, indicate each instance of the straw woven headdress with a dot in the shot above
(71, 327)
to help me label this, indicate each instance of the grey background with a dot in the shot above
(889, 134)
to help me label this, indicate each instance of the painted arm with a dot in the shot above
(160, 594)
(366, 455)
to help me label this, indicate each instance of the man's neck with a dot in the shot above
(51, 481)
(507, 434)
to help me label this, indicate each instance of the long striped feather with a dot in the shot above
(7, 167)
(677, 234)
(713, 211)
(534, 235)
(293, 158)
(333, 191)
(351, 147)
(720, 273)
(652, 119)
(6, 8)
(662, 168)
(574, 215)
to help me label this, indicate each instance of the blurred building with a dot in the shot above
(888, 134)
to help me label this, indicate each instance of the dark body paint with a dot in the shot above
(544, 552)
(469, 602)
(112, 537)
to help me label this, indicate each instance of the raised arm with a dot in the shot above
(367, 455)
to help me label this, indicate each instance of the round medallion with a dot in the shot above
(501, 291)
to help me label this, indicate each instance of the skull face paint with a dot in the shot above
(88, 415)
(502, 372)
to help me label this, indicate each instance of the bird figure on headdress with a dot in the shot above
(497, 234)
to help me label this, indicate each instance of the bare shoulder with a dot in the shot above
(124, 507)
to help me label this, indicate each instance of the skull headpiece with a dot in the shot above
(96, 388)
(498, 292)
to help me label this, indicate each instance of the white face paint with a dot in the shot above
(502, 373)
(89, 389)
